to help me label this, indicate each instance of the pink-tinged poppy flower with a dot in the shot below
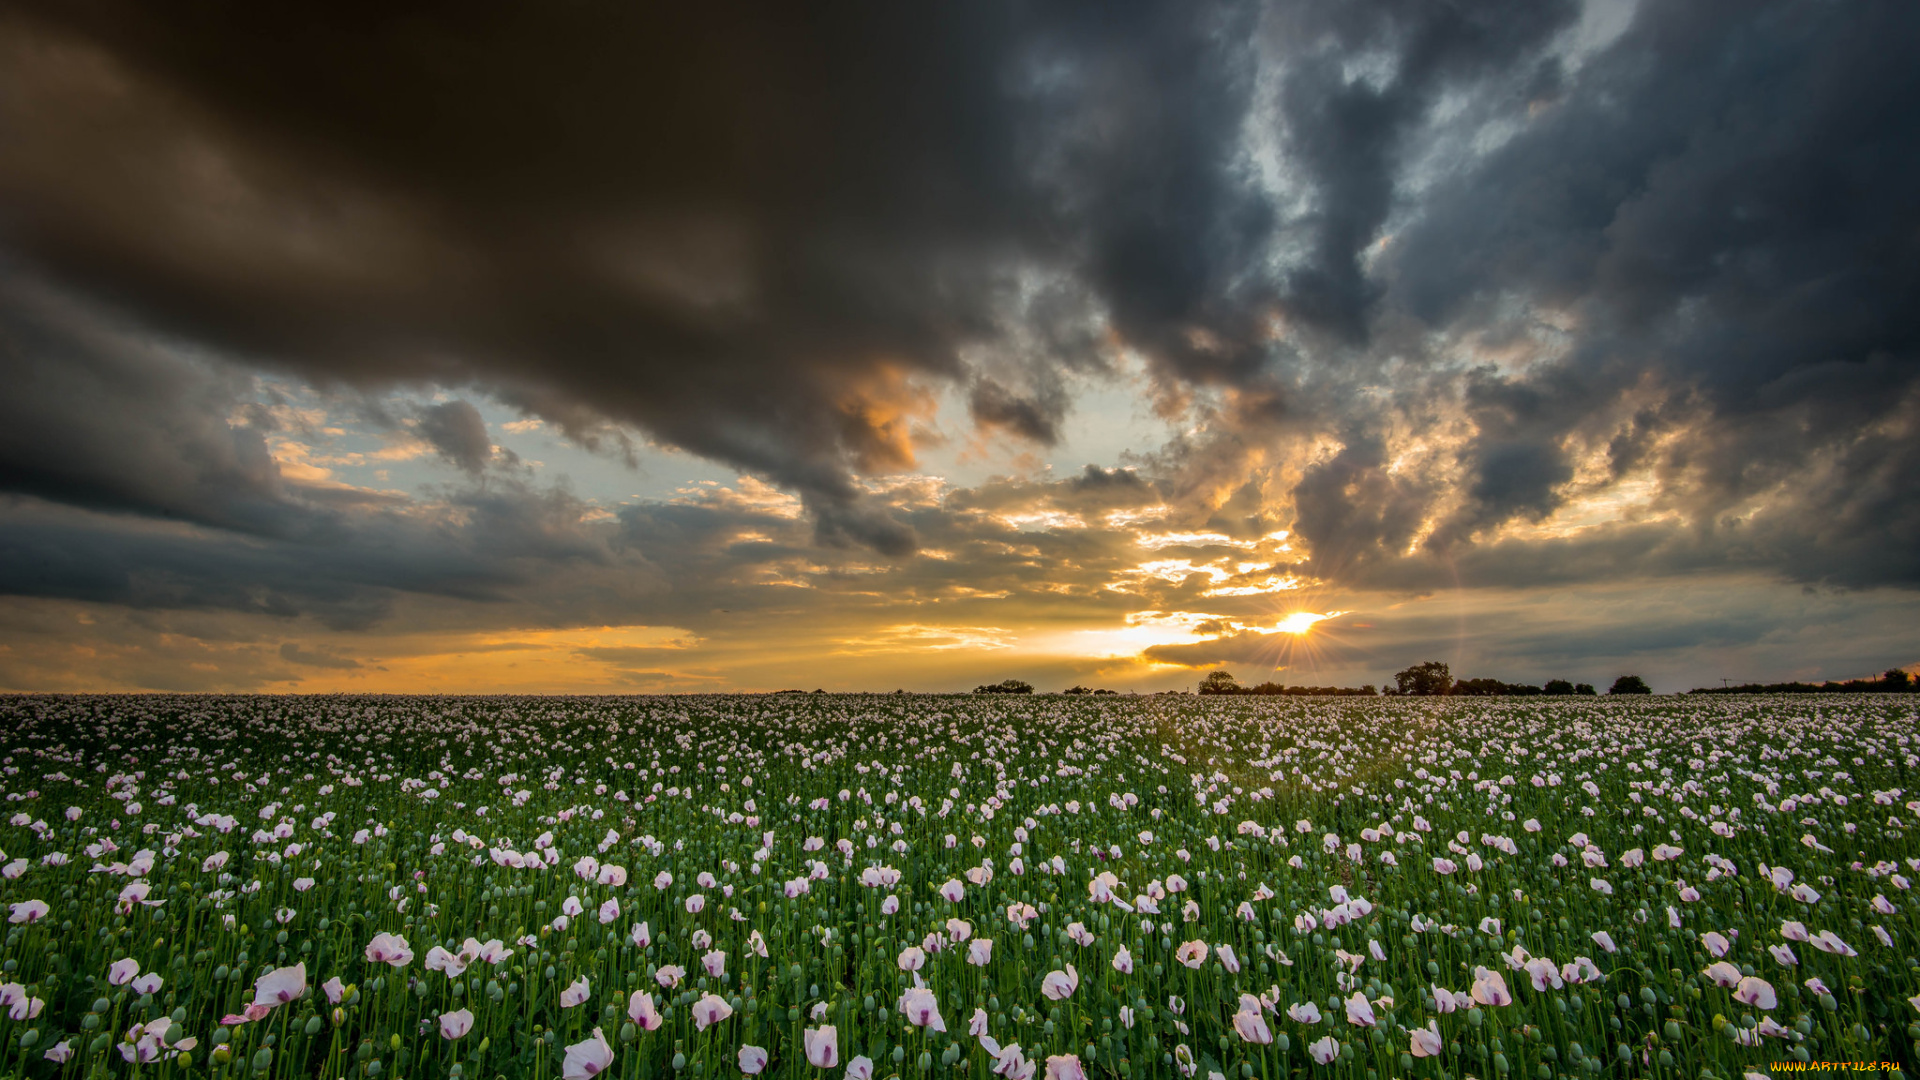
(1444, 1001)
(19, 1006)
(1716, 944)
(1544, 974)
(251, 1013)
(1324, 1051)
(439, 959)
(389, 949)
(1304, 1012)
(860, 1068)
(1605, 941)
(953, 891)
(921, 1009)
(1065, 1067)
(615, 876)
(642, 935)
(715, 963)
(123, 971)
(890, 905)
(752, 1060)
(663, 881)
(1723, 974)
(147, 984)
(1123, 961)
(576, 993)
(669, 975)
(281, 985)
(1252, 1027)
(1445, 866)
(1793, 931)
(710, 1010)
(1756, 992)
(1489, 988)
(61, 1052)
(609, 911)
(27, 911)
(641, 1011)
(1227, 960)
(1783, 955)
(587, 1059)
(912, 958)
(1060, 985)
(1021, 914)
(1581, 971)
(334, 989)
(1689, 894)
(1426, 1041)
(696, 903)
(980, 952)
(977, 1025)
(1360, 1011)
(1805, 893)
(1100, 889)
(1191, 953)
(822, 1046)
(1829, 942)
(1814, 984)
(456, 1024)
(1884, 906)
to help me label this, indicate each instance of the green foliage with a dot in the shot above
(1306, 849)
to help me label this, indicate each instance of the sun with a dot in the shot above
(1301, 621)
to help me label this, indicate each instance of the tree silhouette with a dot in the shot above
(1219, 682)
(1430, 679)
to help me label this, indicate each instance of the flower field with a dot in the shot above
(876, 886)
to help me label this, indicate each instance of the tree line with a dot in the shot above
(1892, 681)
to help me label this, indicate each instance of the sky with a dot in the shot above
(615, 348)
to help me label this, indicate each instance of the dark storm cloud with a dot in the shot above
(1433, 264)
(457, 433)
(1720, 203)
(744, 230)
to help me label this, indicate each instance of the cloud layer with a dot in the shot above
(1485, 298)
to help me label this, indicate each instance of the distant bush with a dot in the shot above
(1894, 681)
(1010, 686)
(1629, 684)
(1222, 682)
